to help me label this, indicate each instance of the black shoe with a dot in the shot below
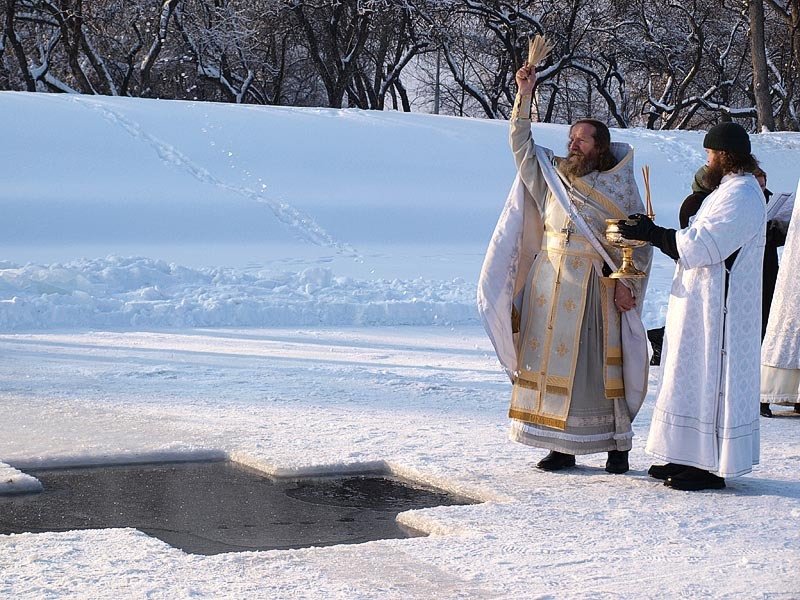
(693, 479)
(617, 462)
(797, 408)
(555, 461)
(766, 411)
(666, 471)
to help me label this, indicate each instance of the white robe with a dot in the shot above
(511, 252)
(781, 347)
(707, 402)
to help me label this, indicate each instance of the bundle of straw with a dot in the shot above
(539, 48)
(648, 202)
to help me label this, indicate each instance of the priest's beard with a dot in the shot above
(713, 176)
(578, 164)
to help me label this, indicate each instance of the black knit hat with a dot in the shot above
(728, 136)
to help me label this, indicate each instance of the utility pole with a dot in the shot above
(438, 82)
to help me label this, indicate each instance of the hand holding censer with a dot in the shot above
(628, 269)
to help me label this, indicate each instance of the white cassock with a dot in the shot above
(780, 353)
(707, 402)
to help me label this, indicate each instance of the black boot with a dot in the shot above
(617, 462)
(665, 471)
(655, 360)
(693, 479)
(656, 337)
(555, 461)
(766, 411)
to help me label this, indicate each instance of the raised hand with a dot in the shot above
(526, 79)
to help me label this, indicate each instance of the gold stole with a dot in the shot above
(555, 302)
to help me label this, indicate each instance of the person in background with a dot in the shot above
(780, 352)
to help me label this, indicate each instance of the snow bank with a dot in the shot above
(117, 292)
(134, 292)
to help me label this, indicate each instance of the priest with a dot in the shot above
(570, 337)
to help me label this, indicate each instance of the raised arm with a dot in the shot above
(521, 139)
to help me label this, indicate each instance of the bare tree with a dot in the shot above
(758, 53)
(335, 34)
(396, 38)
(10, 37)
(680, 64)
(159, 39)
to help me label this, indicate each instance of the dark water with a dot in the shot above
(215, 507)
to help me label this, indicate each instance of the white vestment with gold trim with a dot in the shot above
(567, 366)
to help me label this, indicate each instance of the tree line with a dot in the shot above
(661, 65)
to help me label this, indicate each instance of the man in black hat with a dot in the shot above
(705, 422)
(776, 237)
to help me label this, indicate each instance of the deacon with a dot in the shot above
(776, 237)
(570, 337)
(705, 422)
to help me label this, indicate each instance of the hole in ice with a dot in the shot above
(216, 507)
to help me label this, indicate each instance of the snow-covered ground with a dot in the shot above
(294, 289)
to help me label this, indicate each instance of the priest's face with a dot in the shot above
(713, 158)
(583, 153)
(714, 173)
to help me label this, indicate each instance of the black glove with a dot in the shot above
(776, 235)
(643, 228)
